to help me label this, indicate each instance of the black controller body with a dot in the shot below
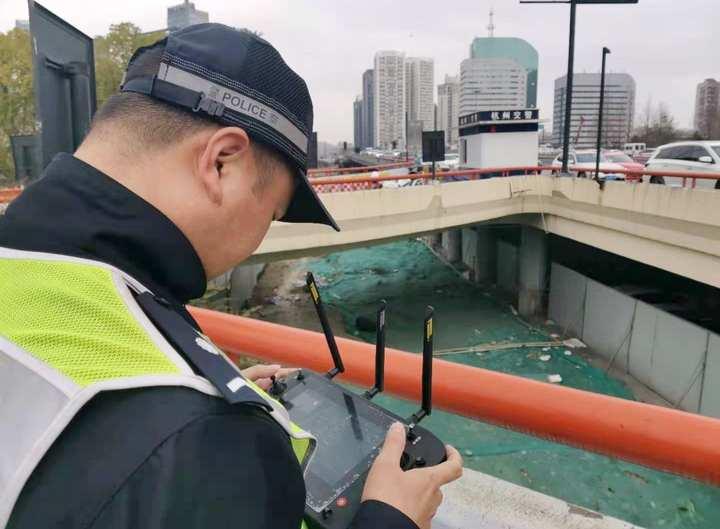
(350, 430)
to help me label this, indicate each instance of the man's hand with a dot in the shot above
(260, 374)
(416, 493)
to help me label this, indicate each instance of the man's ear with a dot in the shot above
(226, 145)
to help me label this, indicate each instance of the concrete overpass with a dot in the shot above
(674, 229)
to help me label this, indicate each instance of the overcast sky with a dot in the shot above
(668, 46)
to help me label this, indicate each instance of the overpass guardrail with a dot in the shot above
(343, 179)
(632, 176)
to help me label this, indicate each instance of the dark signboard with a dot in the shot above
(433, 146)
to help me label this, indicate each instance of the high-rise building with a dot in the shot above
(358, 131)
(22, 24)
(501, 73)
(449, 108)
(419, 86)
(707, 109)
(368, 109)
(618, 111)
(389, 100)
(184, 15)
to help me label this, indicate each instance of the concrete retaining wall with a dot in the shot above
(675, 358)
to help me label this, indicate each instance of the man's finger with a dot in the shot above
(253, 373)
(263, 383)
(394, 445)
(286, 372)
(449, 470)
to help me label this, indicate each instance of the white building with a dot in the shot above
(419, 86)
(389, 100)
(449, 109)
(618, 112)
(501, 73)
(499, 138)
(184, 15)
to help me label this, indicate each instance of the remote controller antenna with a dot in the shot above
(329, 336)
(379, 353)
(427, 364)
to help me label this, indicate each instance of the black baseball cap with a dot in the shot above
(238, 79)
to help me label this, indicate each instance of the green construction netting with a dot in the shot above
(409, 277)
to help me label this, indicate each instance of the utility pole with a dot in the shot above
(605, 52)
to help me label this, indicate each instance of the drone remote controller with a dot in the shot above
(350, 428)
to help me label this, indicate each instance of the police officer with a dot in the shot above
(115, 411)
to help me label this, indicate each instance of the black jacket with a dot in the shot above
(170, 458)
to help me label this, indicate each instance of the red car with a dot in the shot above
(628, 163)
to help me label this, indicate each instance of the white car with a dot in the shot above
(583, 165)
(695, 156)
(450, 163)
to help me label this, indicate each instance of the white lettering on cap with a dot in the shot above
(236, 101)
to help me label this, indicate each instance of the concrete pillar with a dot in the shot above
(435, 240)
(533, 271)
(479, 253)
(452, 245)
(242, 282)
(486, 267)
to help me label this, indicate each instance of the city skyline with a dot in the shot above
(662, 69)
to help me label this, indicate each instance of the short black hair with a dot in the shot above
(153, 123)
(156, 124)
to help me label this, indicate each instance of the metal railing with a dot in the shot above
(9, 194)
(324, 171)
(632, 176)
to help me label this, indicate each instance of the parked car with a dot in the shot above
(450, 163)
(619, 157)
(694, 156)
(582, 164)
(643, 156)
(631, 149)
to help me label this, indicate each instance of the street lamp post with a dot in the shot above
(605, 52)
(571, 61)
(569, 91)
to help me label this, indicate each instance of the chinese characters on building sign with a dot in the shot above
(499, 115)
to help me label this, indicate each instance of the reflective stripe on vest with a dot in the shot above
(69, 329)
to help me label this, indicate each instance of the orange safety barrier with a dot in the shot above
(661, 438)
